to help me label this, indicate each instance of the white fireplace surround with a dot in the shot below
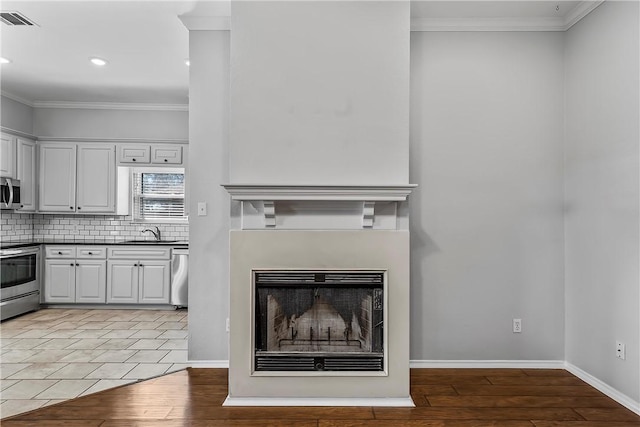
(314, 227)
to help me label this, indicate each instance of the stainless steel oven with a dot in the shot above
(20, 281)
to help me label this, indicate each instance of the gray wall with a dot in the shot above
(486, 219)
(602, 195)
(313, 103)
(103, 123)
(208, 168)
(16, 115)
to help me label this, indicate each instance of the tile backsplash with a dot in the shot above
(77, 227)
(14, 226)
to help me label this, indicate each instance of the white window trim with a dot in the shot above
(145, 169)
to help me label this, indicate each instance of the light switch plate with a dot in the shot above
(202, 208)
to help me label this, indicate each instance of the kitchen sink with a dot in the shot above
(148, 242)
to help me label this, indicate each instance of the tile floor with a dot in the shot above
(57, 354)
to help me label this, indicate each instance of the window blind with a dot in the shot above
(158, 196)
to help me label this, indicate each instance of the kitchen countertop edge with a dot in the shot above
(24, 244)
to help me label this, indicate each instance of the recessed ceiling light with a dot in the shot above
(98, 61)
(5, 61)
(187, 62)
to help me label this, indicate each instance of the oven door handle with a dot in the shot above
(9, 252)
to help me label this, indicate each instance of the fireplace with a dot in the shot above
(319, 317)
(319, 320)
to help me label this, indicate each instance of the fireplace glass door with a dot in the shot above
(319, 320)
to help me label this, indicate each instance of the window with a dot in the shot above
(158, 195)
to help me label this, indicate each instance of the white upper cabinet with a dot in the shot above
(134, 154)
(155, 154)
(96, 178)
(77, 178)
(7, 156)
(26, 173)
(57, 177)
(166, 154)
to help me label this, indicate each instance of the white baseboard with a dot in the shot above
(484, 364)
(614, 394)
(406, 402)
(208, 363)
(605, 388)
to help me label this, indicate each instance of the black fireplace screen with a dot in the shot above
(311, 320)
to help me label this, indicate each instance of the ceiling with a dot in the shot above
(146, 45)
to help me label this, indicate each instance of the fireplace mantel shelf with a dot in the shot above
(268, 195)
(368, 193)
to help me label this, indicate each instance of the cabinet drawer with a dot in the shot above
(139, 253)
(134, 154)
(169, 154)
(91, 252)
(60, 251)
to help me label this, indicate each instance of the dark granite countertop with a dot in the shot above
(101, 242)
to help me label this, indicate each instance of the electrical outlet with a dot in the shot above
(227, 324)
(517, 326)
(620, 350)
(202, 208)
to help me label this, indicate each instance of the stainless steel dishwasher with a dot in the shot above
(179, 277)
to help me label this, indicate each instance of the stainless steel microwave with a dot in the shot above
(9, 193)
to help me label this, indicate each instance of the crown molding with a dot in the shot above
(17, 132)
(487, 24)
(17, 98)
(580, 11)
(110, 106)
(206, 23)
(507, 24)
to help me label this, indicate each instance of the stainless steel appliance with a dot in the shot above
(20, 281)
(179, 277)
(9, 193)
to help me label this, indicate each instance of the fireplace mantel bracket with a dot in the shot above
(366, 195)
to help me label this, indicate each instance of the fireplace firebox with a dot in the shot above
(309, 320)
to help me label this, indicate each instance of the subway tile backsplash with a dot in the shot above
(77, 227)
(15, 226)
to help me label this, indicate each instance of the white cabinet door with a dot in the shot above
(91, 281)
(134, 154)
(154, 282)
(60, 280)
(26, 173)
(122, 281)
(7, 156)
(57, 177)
(96, 178)
(166, 154)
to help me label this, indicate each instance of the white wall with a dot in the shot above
(319, 92)
(103, 123)
(602, 195)
(16, 115)
(208, 168)
(486, 219)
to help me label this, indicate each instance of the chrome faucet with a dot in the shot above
(156, 233)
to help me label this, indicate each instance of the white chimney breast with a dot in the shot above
(319, 93)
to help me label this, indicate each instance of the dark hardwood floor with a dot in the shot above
(444, 398)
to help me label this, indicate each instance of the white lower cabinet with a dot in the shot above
(91, 281)
(122, 279)
(142, 276)
(154, 282)
(69, 278)
(60, 281)
(114, 275)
